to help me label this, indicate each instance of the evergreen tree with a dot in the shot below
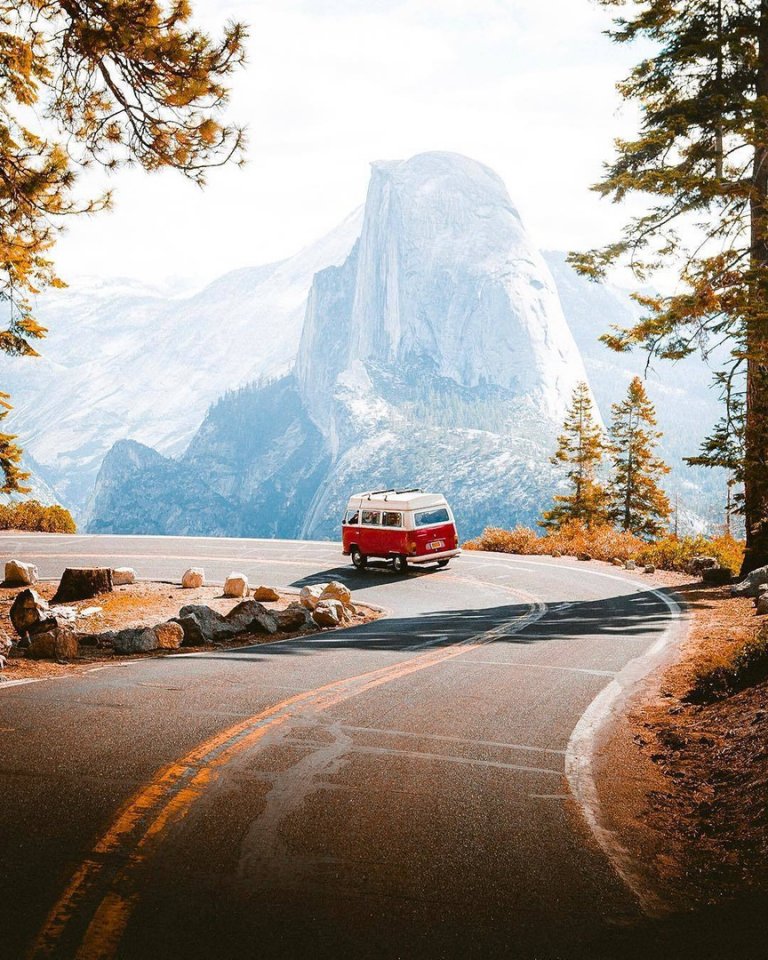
(10, 456)
(95, 81)
(701, 154)
(636, 502)
(581, 445)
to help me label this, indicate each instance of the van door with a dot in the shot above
(370, 532)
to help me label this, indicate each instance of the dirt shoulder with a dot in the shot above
(144, 603)
(684, 785)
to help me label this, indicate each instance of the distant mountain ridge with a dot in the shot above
(424, 341)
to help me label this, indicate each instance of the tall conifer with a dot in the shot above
(701, 155)
(581, 446)
(636, 501)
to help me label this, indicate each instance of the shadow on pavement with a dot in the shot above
(622, 618)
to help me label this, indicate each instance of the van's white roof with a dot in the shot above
(406, 500)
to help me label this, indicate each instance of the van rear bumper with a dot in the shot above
(429, 557)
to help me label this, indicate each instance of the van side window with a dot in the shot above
(430, 518)
(391, 519)
(371, 518)
(352, 518)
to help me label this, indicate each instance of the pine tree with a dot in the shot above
(636, 502)
(10, 456)
(701, 154)
(581, 445)
(95, 81)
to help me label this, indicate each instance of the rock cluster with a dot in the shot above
(330, 603)
(49, 632)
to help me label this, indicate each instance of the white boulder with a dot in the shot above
(236, 585)
(193, 577)
(336, 591)
(21, 574)
(329, 613)
(121, 576)
(310, 596)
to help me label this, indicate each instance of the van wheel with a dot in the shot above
(358, 559)
(400, 563)
(443, 563)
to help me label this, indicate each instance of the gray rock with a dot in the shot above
(751, 584)
(294, 617)
(584, 556)
(5, 644)
(762, 604)
(698, 565)
(134, 640)
(251, 617)
(201, 624)
(31, 614)
(649, 568)
(630, 565)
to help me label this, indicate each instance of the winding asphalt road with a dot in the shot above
(398, 789)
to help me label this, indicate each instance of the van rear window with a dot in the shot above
(428, 518)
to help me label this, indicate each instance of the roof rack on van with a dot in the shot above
(410, 490)
(378, 493)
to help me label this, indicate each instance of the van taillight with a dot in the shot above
(411, 546)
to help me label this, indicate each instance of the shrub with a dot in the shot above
(606, 543)
(748, 666)
(675, 553)
(573, 538)
(33, 516)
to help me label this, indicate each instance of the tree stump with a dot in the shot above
(81, 583)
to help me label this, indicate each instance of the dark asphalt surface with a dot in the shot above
(422, 813)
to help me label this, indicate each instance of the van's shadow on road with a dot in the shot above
(623, 619)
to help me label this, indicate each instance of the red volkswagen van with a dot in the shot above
(404, 526)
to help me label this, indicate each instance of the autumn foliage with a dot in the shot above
(606, 543)
(33, 516)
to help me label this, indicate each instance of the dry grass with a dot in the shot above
(607, 543)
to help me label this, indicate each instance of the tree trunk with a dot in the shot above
(756, 427)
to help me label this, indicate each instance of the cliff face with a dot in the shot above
(436, 354)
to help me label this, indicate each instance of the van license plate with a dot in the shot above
(436, 544)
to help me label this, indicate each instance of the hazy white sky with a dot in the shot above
(525, 86)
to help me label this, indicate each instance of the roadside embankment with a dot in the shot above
(683, 772)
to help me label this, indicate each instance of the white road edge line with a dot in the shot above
(579, 758)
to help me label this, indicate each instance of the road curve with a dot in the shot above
(394, 790)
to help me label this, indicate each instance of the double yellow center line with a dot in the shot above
(90, 918)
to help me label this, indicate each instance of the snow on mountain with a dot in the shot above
(435, 354)
(121, 362)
